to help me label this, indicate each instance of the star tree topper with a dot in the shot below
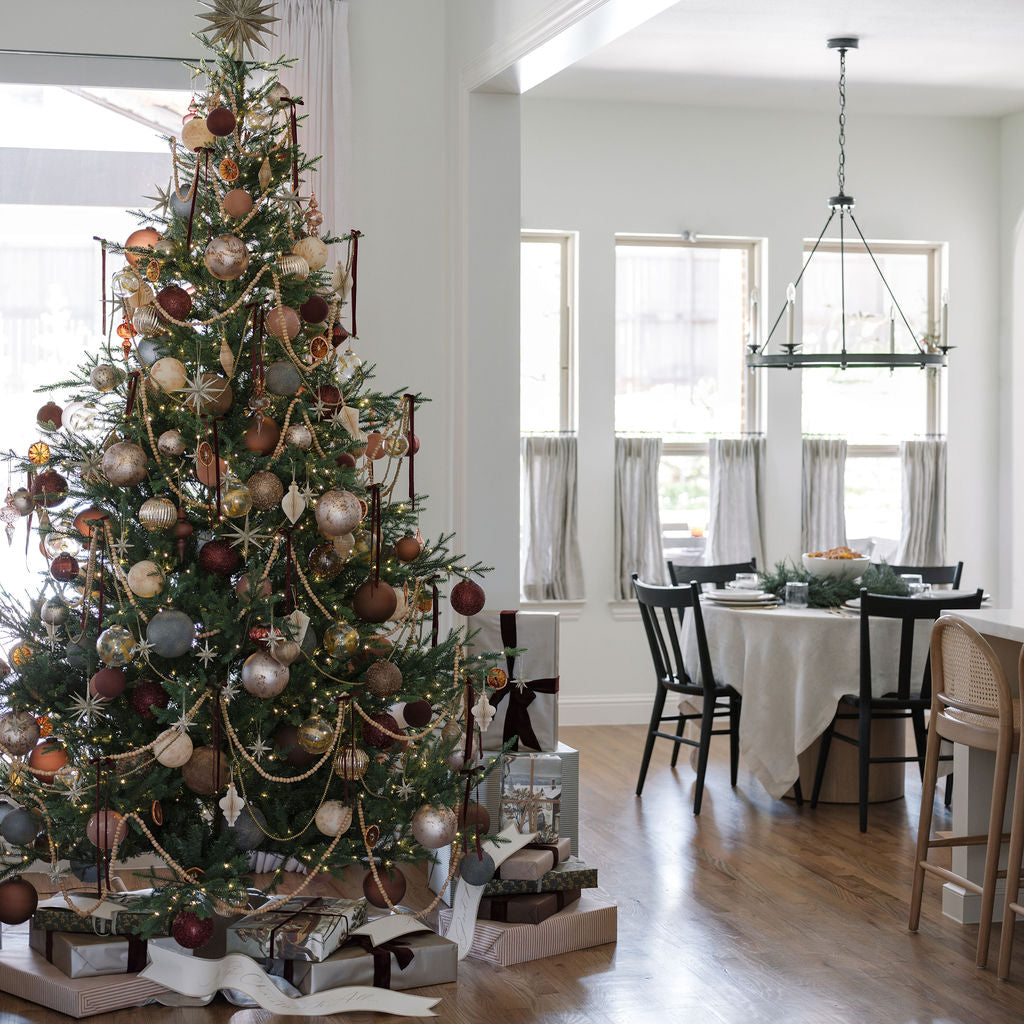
(239, 23)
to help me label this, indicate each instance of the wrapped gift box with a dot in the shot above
(298, 929)
(592, 921)
(411, 961)
(116, 915)
(531, 794)
(526, 909)
(535, 860)
(489, 794)
(573, 874)
(526, 710)
(91, 956)
(26, 974)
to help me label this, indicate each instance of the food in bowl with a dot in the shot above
(841, 562)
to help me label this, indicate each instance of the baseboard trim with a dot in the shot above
(613, 709)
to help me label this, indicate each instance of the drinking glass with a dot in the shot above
(745, 581)
(796, 594)
(920, 590)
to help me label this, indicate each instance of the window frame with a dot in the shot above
(935, 395)
(567, 355)
(753, 380)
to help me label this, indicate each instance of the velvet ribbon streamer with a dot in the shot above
(375, 525)
(411, 399)
(355, 275)
(133, 387)
(517, 717)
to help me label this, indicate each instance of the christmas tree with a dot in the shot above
(235, 647)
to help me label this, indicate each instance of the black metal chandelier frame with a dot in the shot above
(842, 204)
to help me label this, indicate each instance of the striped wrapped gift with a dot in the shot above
(26, 974)
(591, 922)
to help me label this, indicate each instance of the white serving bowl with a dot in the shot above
(841, 568)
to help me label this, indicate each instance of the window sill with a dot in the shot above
(624, 611)
(570, 611)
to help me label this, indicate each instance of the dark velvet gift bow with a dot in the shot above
(520, 697)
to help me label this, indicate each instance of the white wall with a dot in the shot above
(602, 168)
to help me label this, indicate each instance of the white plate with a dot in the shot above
(765, 602)
(737, 596)
(854, 603)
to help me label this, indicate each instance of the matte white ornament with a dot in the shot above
(172, 748)
(483, 711)
(333, 817)
(231, 804)
(293, 504)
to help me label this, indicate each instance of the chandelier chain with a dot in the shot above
(842, 121)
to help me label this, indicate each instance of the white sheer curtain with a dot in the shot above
(316, 32)
(737, 499)
(823, 519)
(549, 547)
(923, 531)
(637, 518)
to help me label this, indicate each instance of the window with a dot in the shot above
(547, 329)
(873, 409)
(682, 318)
(76, 162)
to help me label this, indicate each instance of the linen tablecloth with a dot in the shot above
(792, 665)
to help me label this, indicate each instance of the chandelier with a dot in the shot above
(841, 205)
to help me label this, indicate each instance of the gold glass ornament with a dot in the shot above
(126, 281)
(324, 562)
(158, 514)
(56, 543)
(124, 464)
(171, 443)
(54, 611)
(39, 453)
(105, 377)
(300, 436)
(341, 639)
(313, 250)
(236, 501)
(265, 490)
(146, 322)
(337, 513)
(293, 266)
(351, 763)
(316, 735)
(434, 826)
(226, 257)
(396, 445)
(145, 579)
(116, 646)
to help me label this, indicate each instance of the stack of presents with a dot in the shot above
(544, 901)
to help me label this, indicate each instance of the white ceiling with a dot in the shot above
(951, 57)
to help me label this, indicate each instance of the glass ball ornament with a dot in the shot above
(265, 490)
(190, 931)
(146, 579)
(383, 678)
(324, 562)
(142, 238)
(105, 377)
(341, 639)
(348, 365)
(396, 445)
(79, 417)
(298, 435)
(171, 443)
(58, 543)
(54, 611)
(333, 817)
(337, 513)
(23, 501)
(236, 501)
(226, 257)
(69, 776)
(434, 826)
(124, 464)
(19, 732)
(105, 828)
(351, 763)
(169, 373)
(316, 735)
(264, 677)
(116, 646)
(49, 489)
(283, 322)
(147, 323)
(313, 250)
(64, 568)
(282, 378)
(293, 266)
(158, 514)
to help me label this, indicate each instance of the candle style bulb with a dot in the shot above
(790, 300)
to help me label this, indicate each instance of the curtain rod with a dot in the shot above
(102, 56)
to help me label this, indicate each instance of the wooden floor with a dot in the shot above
(756, 911)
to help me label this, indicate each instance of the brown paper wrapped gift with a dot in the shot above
(535, 860)
(410, 961)
(531, 908)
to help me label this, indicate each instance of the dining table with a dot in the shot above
(792, 665)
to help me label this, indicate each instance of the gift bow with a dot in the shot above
(520, 696)
(381, 954)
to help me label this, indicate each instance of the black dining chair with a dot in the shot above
(662, 610)
(910, 699)
(718, 575)
(937, 575)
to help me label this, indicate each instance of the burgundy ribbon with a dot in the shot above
(207, 187)
(288, 573)
(133, 387)
(103, 278)
(412, 433)
(518, 726)
(355, 274)
(435, 624)
(375, 525)
(192, 206)
(381, 954)
(99, 611)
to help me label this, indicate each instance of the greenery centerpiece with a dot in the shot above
(832, 591)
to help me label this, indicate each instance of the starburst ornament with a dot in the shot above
(228, 693)
(161, 201)
(239, 23)
(86, 708)
(143, 648)
(122, 546)
(202, 390)
(245, 535)
(404, 791)
(206, 653)
(259, 749)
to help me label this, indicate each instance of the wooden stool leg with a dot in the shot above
(992, 849)
(924, 823)
(1013, 866)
